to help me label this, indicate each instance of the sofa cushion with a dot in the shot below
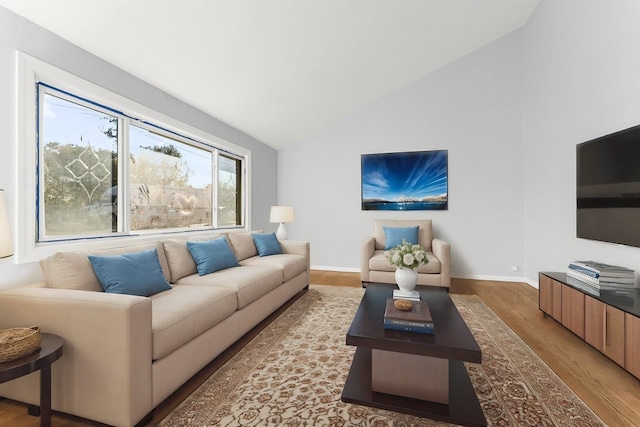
(72, 270)
(290, 264)
(394, 236)
(184, 312)
(378, 262)
(180, 261)
(267, 244)
(137, 273)
(212, 255)
(243, 245)
(249, 282)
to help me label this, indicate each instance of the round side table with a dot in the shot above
(40, 360)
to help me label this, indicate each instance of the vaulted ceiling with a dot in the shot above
(278, 70)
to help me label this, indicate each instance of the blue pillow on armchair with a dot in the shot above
(137, 273)
(395, 235)
(212, 255)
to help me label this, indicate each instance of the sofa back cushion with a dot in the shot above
(243, 245)
(181, 263)
(73, 270)
(424, 231)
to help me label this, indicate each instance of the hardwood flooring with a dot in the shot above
(611, 392)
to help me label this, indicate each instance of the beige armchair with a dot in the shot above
(374, 266)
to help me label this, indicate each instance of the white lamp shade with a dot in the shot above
(6, 244)
(282, 214)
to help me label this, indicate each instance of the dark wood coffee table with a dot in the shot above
(417, 374)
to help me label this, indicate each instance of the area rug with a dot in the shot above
(292, 374)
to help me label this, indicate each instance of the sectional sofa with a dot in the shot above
(124, 354)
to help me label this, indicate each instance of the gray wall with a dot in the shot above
(474, 109)
(582, 67)
(19, 34)
(510, 115)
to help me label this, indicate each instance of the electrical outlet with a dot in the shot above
(514, 268)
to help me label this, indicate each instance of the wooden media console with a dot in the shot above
(607, 320)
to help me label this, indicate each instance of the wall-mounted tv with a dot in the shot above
(608, 188)
(405, 181)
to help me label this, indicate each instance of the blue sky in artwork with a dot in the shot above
(392, 176)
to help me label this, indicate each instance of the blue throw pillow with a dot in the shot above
(267, 244)
(395, 235)
(212, 255)
(137, 273)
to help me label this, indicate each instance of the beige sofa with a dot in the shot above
(374, 266)
(124, 354)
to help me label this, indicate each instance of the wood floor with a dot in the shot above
(611, 392)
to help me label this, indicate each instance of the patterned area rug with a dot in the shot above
(293, 372)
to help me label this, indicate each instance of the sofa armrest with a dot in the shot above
(105, 370)
(295, 247)
(442, 251)
(298, 248)
(367, 248)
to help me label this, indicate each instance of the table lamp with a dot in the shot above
(6, 245)
(282, 214)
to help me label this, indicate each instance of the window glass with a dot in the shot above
(79, 149)
(229, 202)
(170, 182)
(92, 157)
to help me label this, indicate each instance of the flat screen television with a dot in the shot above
(405, 181)
(608, 188)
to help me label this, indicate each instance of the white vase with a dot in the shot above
(406, 278)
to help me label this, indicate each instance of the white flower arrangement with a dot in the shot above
(406, 255)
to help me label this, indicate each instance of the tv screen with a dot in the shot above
(402, 181)
(608, 188)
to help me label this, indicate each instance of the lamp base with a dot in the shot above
(282, 234)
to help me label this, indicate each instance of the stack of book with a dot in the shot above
(418, 319)
(602, 276)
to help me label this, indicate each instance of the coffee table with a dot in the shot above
(417, 374)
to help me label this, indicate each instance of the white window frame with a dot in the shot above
(29, 72)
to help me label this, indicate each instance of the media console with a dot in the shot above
(607, 320)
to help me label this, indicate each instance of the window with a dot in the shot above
(95, 149)
(79, 147)
(229, 194)
(170, 182)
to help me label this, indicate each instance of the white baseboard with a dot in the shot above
(453, 275)
(340, 269)
(518, 279)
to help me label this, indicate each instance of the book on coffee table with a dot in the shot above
(411, 295)
(418, 319)
(408, 328)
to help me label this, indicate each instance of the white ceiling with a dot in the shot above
(278, 70)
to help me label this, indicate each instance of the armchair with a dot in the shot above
(374, 266)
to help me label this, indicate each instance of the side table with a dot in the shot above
(40, 360)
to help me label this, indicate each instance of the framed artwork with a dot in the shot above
(405, 181)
